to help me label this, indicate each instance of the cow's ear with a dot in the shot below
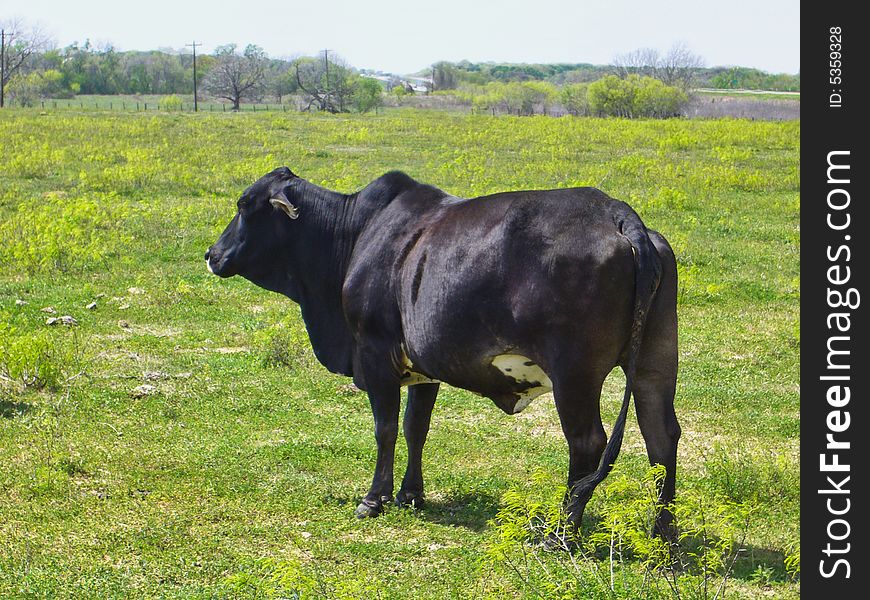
(281, 202)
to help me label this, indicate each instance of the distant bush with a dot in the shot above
(753, 79)
(368, 95)
(655, 99)
(27, 90)
(171, 102)
(574, 98)
(634, 96)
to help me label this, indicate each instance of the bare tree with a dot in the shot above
(236, 76)
(327, 82)
(677, 68)
(17, 45)
(643, 61)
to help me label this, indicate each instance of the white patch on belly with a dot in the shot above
(208, 266)
(409, 376)
(522, 370)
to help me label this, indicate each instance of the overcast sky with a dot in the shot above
(403, 36)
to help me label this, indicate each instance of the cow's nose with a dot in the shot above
(207, 253)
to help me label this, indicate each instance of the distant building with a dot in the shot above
(417, 85)
(420, 85)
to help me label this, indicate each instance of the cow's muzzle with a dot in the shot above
(217, 264)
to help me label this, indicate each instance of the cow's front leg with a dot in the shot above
(385, 408)
(418, 413)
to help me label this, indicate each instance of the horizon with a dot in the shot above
(391, 37)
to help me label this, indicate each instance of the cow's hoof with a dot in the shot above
(409, 500)
(666, 529)
(370, 508)
(555, 542)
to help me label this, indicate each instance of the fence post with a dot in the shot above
(146, 106)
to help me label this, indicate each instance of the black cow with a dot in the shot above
(509, 296)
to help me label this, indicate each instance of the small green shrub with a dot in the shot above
(690, 286)
(284, 344)
(743, 476)
(620, 558)
(32, 361)
(270, 578)
(793, 562)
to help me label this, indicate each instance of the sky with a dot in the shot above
(404, 36)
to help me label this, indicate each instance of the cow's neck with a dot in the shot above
(330, 223)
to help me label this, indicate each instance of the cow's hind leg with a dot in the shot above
(655, 385)
(577, 397)
(418, 413)
(654, 399)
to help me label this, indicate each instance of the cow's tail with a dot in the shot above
(647, 275)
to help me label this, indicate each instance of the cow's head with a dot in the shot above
(259, 233)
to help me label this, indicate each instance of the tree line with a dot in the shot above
(642, 83)
(677, 67)
(33, 70)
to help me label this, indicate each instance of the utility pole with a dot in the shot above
(2, 67)
(194, 45)
(326, 64)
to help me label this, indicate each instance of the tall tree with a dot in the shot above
(237, 76)
(19, 43)
(284, 84)
(444, 76)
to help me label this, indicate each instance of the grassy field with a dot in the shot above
(236, 473)
(757, 94)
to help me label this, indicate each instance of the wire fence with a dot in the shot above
(153, 106)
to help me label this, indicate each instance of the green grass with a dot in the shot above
(238, 476)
